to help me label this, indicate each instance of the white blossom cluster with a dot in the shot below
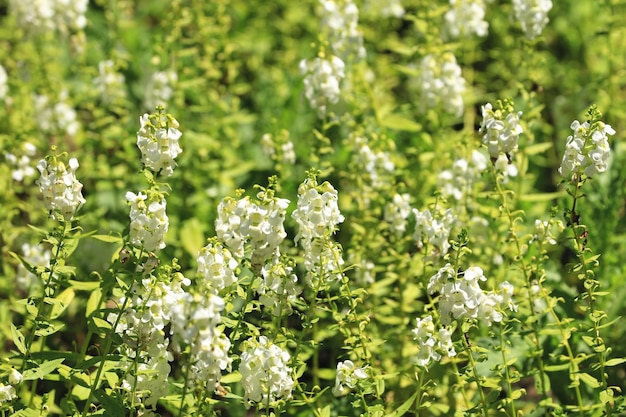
(321, 81)
(317, 216)
(36, 257)
(466, 18)
(532, 15)
(110, 83)
(241, 221)
(56, 118)
(7, 392)
(62, 192)
(376, 164)
(587, 150)
(196, 323)
(157, 139)
(546, 231)
(364, 271)
(280, 150)
(148, 220)
(216, 267)
(279, 288)
(348, 375)
(340, 21)
(500, 129)
(265, 376)
(433, 230)
(431, 343)
(458, 181)
(462, 298)
(385, 8)
(160, 88)
(22, 167)
(4, 87)
(441, 84)
(41, 15)
(151, 308)
(397, 212)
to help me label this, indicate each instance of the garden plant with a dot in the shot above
(312, 208)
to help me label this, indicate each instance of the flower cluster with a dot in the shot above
(22, 164)
(458, 181)
(466, 18)
(216, 267)
(340, 22)
(321, 81)
(376, 164)
(195, 323)
(160, 88)
(544, 231)
(501, 129)
(397, 212)
(57, 118)
(532, 15)
(148, 220)
(265, 376)
(385, 8)
(317, 216)
(110, 83)
(61, 15)
(279, 288)
(7, 392)
(440, 83)
(433, 230)
(462, 297)
(347, 377)
(587, 150)
(141, 325)
(157, 139)
(241, 221)
(62, 192)
(280, 149)
(4, 88)
(431, 343)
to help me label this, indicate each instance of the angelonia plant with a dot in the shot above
(328, 208)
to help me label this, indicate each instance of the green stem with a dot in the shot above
(470, 356)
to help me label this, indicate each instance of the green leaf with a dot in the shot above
(18, 339)
(93, 303)
(26, 412)
(108, 238)
(537, 148)
(615, 361)
(61, 302)
(84, 285)
(589, 380)
(397, 122)
(42, 370)
(406, 406)
(102, 325)
(192, 236)
(49, 328)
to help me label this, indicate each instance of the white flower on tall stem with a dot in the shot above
(441, 84)
(587, 150)
(347, 377)
(157, 139)
(434, 229)
(322, 77)
(22, 167)
(466, 18)
(532, 15)
(148, 220)
(340, 24)
(62, 192)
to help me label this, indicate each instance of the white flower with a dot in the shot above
(347, 377)
(22, 164)
(157, 139)
(441, 84)
(15, 377)
(60, 15)
(500, 129)
(4, 88)
(544, 232)
(110, 83)
(58, 117)
(278, 288)
(317, 213)
(340, 22)
(160, 88)
(385, 8)
(321, 82)
(397, 212)
(216, 267)
(36, 256)
(587, 150)
(431, 343)
(265, 376)
(466, 18)
(7, 393)
(148, 221)
(433, 230)
(61, 191)
(376, 164)
(532, 15)
(458, 181)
